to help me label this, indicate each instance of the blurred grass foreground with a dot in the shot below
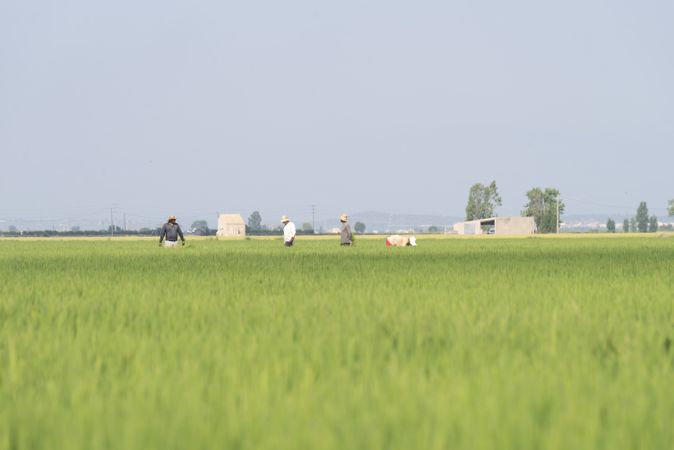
(458, 343)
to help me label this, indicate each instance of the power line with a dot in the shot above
(557, 212)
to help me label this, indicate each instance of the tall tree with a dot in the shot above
(359, 227)
(610, 226)
(255, 221)
(482, 201)
(642, 217)
(670, 210)
(542, 206)
(633, 225)
(626, 225)
(652, 224)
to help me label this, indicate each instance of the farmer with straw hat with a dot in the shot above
(171, 230)
(288, 231)
(346, 237)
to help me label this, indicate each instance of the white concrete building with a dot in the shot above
(501, 225)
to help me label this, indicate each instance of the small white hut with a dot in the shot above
(231, 225)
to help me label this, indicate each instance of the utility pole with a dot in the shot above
(112, 224)
(557, 212)
(124, 221)
(313, 218)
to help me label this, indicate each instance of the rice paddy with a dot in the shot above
(458, 343)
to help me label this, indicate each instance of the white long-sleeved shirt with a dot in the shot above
(289, 232)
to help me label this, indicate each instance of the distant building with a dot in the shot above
(500, 225)
(231, 225)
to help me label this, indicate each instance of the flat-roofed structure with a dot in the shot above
(506, 226)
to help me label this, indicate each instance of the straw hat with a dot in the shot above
(285, 219)
(344, 217)
(171, 218)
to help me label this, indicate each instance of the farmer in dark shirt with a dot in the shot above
(171, 230)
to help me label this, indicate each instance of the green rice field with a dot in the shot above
(483, 343)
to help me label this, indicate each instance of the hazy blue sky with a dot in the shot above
(193, 107)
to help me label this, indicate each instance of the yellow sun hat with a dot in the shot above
(344, 217)
(171, 218)
(285, 219)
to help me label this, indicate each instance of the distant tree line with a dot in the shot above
(13, 232)
(641, 223)
(254, 227)
(482, 203)
(547, 207)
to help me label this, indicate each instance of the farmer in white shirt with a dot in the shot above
(288, 231)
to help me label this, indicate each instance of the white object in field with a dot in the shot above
(502, 225)
(231, 225)
(396, 240)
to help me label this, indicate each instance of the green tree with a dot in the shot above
(626, 225)
(670, 210)
(307, 228)
(610, 226)
(542, 206)
(633, 225)
(433, 229)
(255, 221)
(482, 201)
(359, 227)
(200, 227)
(642, 217)
(652, 224)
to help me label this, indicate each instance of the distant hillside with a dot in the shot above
(383, 222)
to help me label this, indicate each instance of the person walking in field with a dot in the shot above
(171, 230)
(289, 231)
(346, 237)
